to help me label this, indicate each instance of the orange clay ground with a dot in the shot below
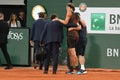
(29, 73)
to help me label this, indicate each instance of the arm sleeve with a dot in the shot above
(32, 32)
(71, 25)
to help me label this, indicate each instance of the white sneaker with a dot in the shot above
(81, 72)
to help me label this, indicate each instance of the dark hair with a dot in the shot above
(75, 18)
(41, 14)
(11, 19)
(53, 16)
(71, 5)
(77, 13)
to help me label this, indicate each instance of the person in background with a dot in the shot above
(36, 31)
(21, 18)
(13, 21)
(80, 47)
(4, 30)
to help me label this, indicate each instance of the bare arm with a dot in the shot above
(75, 28)
(68, 16)
(65, 21)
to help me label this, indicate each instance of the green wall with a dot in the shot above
(96, 51)
(18, 47)
(98, 3)
(97, 54)
(52, 6)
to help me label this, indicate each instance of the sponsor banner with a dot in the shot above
(101, 20)
(15, 35)
(112, 52)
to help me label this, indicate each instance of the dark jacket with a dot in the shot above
(53, 32)
(4, 30)
(37, 29)
(22, 22)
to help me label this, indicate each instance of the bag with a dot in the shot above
(41, 53)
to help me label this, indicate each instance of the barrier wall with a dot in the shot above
(103, 51)
(18, 47)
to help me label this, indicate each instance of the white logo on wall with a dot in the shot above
(112, 52)
(15, 36)
(101, 20)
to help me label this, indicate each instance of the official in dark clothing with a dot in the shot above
(36, 31)
(53, 36)
(4, 30)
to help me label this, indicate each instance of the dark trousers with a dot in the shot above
(3, 47)
(52, 50)
(36, 46)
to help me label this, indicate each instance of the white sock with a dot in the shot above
(82, 67)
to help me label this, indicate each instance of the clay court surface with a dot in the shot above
(28, 73)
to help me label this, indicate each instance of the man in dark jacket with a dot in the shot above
(4, 30)
(21, 18)
(52, 36)
(36, 31)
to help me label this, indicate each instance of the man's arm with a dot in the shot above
(32, 35)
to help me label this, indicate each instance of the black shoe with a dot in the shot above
(45, 72)
(40, 68)
(9, 67)
(35, 66)
(54, 72)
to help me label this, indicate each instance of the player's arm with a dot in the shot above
(75, 28)
(71, 25)
(68, 16)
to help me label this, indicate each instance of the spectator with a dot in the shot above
(13, 22)
(21, 18)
